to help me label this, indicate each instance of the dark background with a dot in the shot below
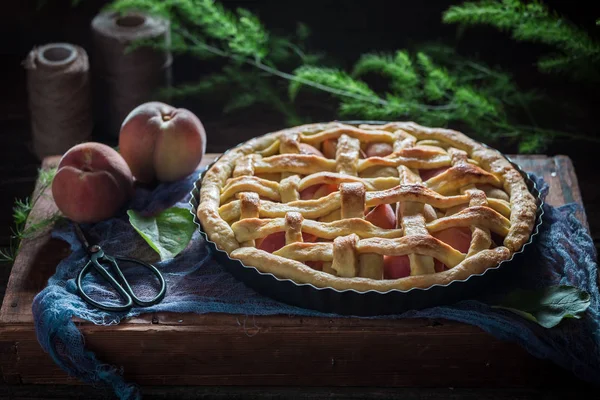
(342, 29)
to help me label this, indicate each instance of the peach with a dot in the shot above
(459, 238)
(317, 265)
(382, 216)
(271, 243)
(276, 241)
(317, 191)
(330, 148)
(377, 149)
(92, 183)
(309, 192)
(427, 174)
(395, 267)
(324, 190)
(161, 142)
(308, 149)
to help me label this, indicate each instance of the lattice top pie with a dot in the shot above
(373, 207)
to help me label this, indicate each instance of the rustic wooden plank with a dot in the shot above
(570, 184)
(64, 392)
(567, 178)
(558, 172)
(36, 260)
(544, 167)
(394, 356)
(237, 350)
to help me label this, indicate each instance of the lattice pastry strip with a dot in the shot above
(320, 207)
(413, 220)
(432, 180)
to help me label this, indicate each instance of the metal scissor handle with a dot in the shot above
(121, 285)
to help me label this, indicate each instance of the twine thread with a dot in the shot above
(59, 97)
(124, 79)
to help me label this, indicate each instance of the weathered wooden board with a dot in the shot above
(221, 349)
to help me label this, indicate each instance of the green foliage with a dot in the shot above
(437, 81)
(432, 86)
(217, 32)
(531, 143)
(45, 176)
(420, 88)
(534, 22)
(335, 79)
(8, 254)
(249, 88)
(398, 69)
(21, 211)
(167, 233)
(547, 306)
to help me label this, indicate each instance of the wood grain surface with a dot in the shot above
(232, 350)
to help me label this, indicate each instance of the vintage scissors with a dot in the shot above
(97, 258)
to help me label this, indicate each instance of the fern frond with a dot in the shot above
(576, 66)
(557, 33)
(532, 142)
(251, 38)
(398, 69)
(7, 255)
(359, 110)
(176, 45)
(240, 32)
(21, 210)
(332, 78)
(159, 8)
(45, 176)
(437, 79)
(532, 22)
(243, 34)
(207, 84)
(473, 106)
(393, 108)
(501, 14)
(436, 87)
(35, 229)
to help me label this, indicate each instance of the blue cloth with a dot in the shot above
(563, 254)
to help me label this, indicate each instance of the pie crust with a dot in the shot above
(252, 191)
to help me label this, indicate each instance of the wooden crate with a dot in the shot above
(238, 350)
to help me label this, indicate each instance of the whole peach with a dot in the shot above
(92, 183)
(161, 142)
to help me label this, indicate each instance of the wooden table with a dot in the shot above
(236, 350)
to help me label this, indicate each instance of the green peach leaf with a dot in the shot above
(547, 306)
(168, 232)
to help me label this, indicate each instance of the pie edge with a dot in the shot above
(523, 214)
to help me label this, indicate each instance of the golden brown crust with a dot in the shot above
(523, 203)
(255, 228)
(285, 268)
(509, 210)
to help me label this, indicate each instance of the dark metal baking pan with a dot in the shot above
(368, 303)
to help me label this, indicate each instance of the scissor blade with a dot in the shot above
(81, 236)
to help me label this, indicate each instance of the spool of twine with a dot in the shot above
(58, 85)
(123, 78)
